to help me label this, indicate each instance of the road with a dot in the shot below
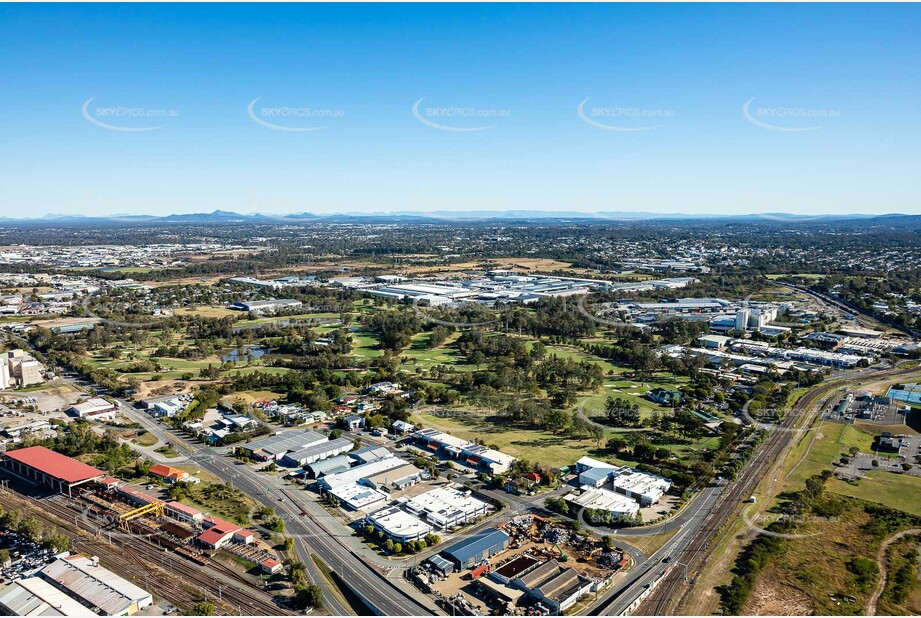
(769, 453)
(384, 596)
(645, 573)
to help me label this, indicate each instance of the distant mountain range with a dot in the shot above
(223, 217)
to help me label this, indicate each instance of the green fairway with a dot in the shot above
(365, 344)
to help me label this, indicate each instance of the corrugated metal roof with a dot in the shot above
(54, 464)
(472, 546)
(97, 586)
(33, 596)
(333, 465)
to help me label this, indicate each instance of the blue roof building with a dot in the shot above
(473, 550)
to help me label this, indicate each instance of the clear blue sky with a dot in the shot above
(851, 71)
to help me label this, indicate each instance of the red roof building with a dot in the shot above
(43, 466)
(270, 565)
(219, 532)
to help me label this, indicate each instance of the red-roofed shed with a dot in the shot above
(43, 466)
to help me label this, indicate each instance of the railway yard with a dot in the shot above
(157, 558)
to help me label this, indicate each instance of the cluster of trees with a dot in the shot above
(32, 530)
(373, 535)
(79, 438)
(757, 555)
(306, 594)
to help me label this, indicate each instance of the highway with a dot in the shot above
(383, 596)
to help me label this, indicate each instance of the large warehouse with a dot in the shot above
(43, 466)
(473, 550)
(273, 448)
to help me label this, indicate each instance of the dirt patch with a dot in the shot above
(776, 599)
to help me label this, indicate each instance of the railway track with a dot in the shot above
(176, 578)
(663, 597)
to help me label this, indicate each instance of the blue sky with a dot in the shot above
(510, 77)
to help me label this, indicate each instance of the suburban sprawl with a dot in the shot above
(494, 417)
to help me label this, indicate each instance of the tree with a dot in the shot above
(310, 595)
(202, 609)
(621, 412)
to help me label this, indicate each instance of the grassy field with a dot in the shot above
(811, 568)
(145, 439)
(220, 500)
(898, 491)
(281, 318)
(365, 344)
(418, 354)
(632, 391)
(831, 440)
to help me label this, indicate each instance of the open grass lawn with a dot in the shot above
(580, 355)
(418, 354)
(281, 318)
(632, 391)
(252, 396)
(831, 441)
(365, 344)
(898, 491)
(145, 439)
(167, 452)
(220, 500)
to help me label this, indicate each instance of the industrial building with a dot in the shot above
(19, 368)
(447, 507)
(554, 585)
(645, 488)
(43, 466)
(34, 596)
(397, 478)
(96, 409)
(369, 454)
(330, 465)
(316, 452)
(599, 499)
(219, 533)
(398, 525)
(273, 448)
(353, 475)
(475, 455)
(96, 587)
(472, 550)
(357, 497)
(182, 512)
(713, 342)
(266, 306)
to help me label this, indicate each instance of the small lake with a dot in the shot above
(239, 355)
